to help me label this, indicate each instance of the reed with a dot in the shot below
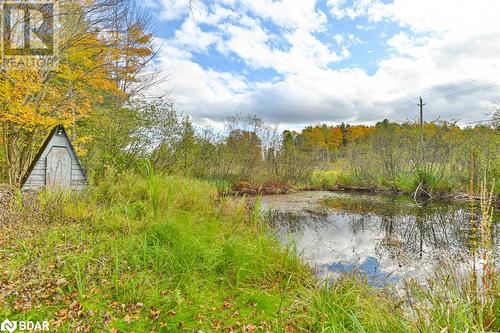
(148, 252)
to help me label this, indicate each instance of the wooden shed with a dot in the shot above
(56, 165)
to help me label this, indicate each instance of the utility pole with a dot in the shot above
(421, 105)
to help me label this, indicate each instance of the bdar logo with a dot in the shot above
(9, 326)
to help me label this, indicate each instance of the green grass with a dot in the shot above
(161, 242)
(349, 305)
(156, 253)
(335, 179)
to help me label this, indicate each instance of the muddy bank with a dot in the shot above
(268, 188)
(277, 189)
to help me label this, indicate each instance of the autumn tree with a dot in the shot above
(321, 137)
(131, 51)
(313, 138)
(357, 133)
(334, 138)
(34, 99)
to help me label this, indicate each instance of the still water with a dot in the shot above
(384, 238)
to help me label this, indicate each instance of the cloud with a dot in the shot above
(291, 14)
(190, 37)
(464, 18)
(440, 44)
(199, 92)
(287, 50)
(341, 9)
(172, 9)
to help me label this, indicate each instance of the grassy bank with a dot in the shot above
(338, 179)
(167, 254)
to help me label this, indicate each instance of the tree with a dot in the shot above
(334, 138)
(246, 149)
(131, 51)
(313, 138)
(289, 163)
(495, 120)
(358, 132)
(32, 100)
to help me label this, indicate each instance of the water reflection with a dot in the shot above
(383, 238)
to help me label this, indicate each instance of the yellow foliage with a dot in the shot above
(32, 100)
(359, 132)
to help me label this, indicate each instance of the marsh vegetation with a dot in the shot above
(148, 252)
(164, 238)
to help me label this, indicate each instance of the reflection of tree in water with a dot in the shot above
(293, 222)
(402, 227)
(430, 231)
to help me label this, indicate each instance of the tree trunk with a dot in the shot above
(18, 150)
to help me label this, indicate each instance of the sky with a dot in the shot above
(301, 62)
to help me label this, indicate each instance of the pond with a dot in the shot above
(385, 238)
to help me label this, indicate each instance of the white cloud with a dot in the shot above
(288, 13)
(191, 37)
(339, 39)
(174, 9)
(291, 51)
(463, 18)
(341, 8)
(199, 91)
(444, 42)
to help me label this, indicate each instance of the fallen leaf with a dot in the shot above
(248, 329)
(154, 314)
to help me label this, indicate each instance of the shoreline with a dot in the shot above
(288, 189)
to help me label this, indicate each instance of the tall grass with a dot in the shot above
(190, 259)
(350, 305)
(143, 252)
(463, 299)
(402, 182)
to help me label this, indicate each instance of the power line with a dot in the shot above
(472, 90)
(435, 91)
(476, 122)
(453, 87)
(465, 112)
(467, 92)
(455, 94)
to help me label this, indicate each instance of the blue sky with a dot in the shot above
(368, 43)
(296, 62)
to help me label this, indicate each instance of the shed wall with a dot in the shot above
(36, 179)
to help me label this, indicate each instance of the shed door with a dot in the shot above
(58, 172)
